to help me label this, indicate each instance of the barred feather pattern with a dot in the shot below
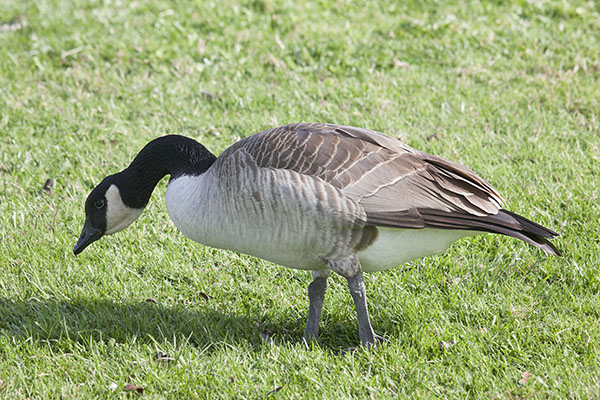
(392, 184)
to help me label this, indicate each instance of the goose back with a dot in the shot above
(384, 175)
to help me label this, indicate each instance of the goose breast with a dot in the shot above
(279, 215)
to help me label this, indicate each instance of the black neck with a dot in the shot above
(168, 155)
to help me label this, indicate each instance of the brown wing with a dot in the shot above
(381, 173)
(396, 185)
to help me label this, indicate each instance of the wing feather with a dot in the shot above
(396, 185)
(380, 172)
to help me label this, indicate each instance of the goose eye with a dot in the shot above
(100, 203)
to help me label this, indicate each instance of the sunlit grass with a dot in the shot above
(510, 90)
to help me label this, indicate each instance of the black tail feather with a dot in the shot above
(504, 222)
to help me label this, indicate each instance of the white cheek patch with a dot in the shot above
(118, 215)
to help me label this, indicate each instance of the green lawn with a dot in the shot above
(510, 90)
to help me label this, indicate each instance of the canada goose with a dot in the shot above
(311, 196)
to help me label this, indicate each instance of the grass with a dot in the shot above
(507, 88)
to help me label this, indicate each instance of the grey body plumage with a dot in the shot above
(312, 196)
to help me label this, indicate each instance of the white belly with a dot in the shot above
(396, 246)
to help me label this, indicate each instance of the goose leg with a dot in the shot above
(316, 295)
(356, 284)
(350, 269)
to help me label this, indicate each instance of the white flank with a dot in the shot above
(396, 246)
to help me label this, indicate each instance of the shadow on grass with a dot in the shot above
(85, 319)
(82, 320)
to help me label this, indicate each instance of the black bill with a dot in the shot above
(89, 235)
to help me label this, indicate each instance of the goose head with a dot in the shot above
(119, 199)
(108, 210)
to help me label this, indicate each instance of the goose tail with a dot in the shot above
(504, 222)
